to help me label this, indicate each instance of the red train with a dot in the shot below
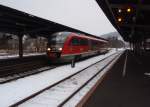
(66, 46)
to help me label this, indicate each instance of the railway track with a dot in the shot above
(69, 78)
(24, 74)
(15, 68)
(12, 69)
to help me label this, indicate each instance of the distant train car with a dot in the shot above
(66, 46)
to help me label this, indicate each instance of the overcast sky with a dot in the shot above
(84, 15)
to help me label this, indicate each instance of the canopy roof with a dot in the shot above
(134, 23)
(18, 22)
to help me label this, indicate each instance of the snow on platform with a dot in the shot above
(15, 91)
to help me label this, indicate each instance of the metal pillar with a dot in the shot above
(20, 36)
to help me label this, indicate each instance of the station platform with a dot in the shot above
(126, 85)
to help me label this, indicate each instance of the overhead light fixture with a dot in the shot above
(128, 10)
(119, 19)
(119, 10)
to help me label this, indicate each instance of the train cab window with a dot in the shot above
(58, 38)
(75, 41)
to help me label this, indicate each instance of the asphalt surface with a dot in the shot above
(129, 88)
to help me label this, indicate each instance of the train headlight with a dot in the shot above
(60, 49)
(48, 49)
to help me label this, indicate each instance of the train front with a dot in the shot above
(55, 46)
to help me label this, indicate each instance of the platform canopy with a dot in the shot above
(72, 15)
(130, 17)
(18, 22)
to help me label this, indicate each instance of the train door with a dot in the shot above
(75, 45)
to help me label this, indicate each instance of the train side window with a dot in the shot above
(84, 42)
(75, 41)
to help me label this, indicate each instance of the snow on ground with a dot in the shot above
(16, 90)
(7, 56)
(53, 97)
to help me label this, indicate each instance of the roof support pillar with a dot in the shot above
(20, 36)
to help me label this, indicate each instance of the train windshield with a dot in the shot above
(58, 38)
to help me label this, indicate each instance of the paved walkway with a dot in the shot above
(128, 88)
